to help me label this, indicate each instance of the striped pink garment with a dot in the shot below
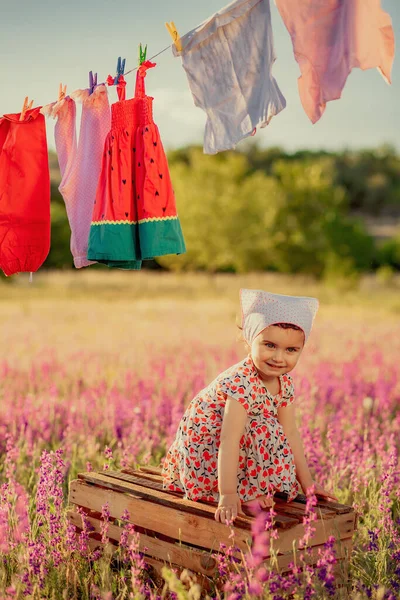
(330, 38)
(80, 160)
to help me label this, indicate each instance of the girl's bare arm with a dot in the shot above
(233, 425)
(286, 417)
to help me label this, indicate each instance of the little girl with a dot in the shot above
(238, 442)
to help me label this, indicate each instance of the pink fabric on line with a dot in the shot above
(330, 38)
(80, 161)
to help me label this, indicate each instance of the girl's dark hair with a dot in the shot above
(281, 325)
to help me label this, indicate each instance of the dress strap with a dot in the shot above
(120, 86)
(140, 91)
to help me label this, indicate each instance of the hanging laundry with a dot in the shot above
(24, 193)
(228, 60)
(80, 161)
(330, 38)
(134, 217)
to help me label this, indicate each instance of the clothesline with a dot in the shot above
(128, 72)
(155, 56)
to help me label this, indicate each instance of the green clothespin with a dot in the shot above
(142, 54)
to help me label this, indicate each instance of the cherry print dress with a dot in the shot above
(134, 216)
(266, 461)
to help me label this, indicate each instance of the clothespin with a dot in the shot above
(62, 91)
(142, 54)
(120, 69)
(92, 82)
(26, 106)
(173, 32)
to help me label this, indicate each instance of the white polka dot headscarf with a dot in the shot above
(261, 309)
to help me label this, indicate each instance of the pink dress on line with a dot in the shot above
(80, 160)
(266, 461)
(330, 38)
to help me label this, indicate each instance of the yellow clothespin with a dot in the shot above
(62, 91)
(27, 106)
(173, 32)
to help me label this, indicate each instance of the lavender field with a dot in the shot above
(95, 372)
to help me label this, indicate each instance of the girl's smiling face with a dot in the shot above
(275, 351)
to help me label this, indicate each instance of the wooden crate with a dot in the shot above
(184, 534)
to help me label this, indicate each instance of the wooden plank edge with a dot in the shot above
(109, 481)
(183, 555)
(282, 508)
(301, 498)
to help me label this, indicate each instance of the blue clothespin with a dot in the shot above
(142, 54)
(92, 82)
(120, 69)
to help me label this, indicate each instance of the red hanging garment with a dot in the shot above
(24, 193)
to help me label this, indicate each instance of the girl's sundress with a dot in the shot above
(134, 216)
(266, 461)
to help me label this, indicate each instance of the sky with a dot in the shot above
(45, 42)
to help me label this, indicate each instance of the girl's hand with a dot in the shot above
(229, 507)
(319, 491)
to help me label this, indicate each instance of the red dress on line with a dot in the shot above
(24, 193)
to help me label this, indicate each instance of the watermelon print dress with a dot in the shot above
(266, 461)
(134, 216)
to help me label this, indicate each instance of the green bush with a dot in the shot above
(293, 220)
(389, 253)
(60, 254)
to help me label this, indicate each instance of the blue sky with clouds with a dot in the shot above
(45, 42)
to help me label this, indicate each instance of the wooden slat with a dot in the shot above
(195, 560)
(297, 510)
(151, 481)
(341, 568)
(293, 509)
(160, 498)
(340, 509)
(148, 469)
(282, 520)
(341, 527)
(190, 558)
(139, 473)
(158, 553)
(343, 550)
(205, 532)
